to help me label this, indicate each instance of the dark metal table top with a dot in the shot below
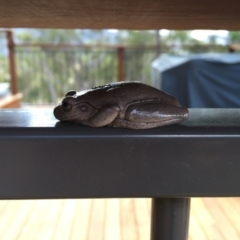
(43, 158)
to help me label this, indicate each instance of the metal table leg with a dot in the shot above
(170, 218)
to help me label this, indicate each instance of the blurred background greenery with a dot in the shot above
(49, 62)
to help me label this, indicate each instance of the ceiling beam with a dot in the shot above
(121, 14)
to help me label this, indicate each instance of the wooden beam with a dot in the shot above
(11, 101)
(12, 63)
(121, 14)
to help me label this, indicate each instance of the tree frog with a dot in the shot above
(131, 105)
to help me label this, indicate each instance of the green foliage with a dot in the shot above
(234, 37)
(136, 38)
(178, 36)
(46, 74)
(4, 73)
(4, 70)
(56, 72)
(54, 36)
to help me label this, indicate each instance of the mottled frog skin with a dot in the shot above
(131, 105)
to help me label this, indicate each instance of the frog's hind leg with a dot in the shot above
(121, 123)
(151, 114)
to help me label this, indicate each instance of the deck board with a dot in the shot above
(81, 225)
(128, 225)
(97, 218)
(49, 220)
(112, 226)
(204, 220)
(118, 219)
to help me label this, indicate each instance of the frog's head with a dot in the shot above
(72, 109)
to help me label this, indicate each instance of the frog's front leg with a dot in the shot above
(104, 116)
(151, 114)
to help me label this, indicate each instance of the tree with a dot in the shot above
(234, 37)
(137, 37)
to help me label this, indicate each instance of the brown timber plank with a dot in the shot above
(11, 101)
(121, 14)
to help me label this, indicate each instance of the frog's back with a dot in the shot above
(123, 93)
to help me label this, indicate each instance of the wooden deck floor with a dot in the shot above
(111, 219)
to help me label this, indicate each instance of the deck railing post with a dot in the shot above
(120, 63)
(12, 64)
(170, 218)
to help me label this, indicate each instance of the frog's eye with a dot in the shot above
(70, 93)
(66, 106)
(83, 107)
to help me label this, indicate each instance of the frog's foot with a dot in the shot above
(151, 114)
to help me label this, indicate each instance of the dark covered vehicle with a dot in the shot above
(209, 80)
